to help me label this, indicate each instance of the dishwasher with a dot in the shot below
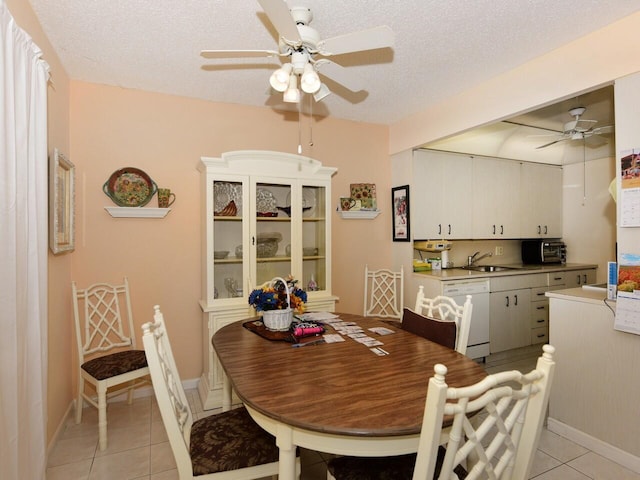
(478, 346)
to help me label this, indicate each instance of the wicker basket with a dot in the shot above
(278, 320)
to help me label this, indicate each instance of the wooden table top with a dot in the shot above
(339, 388)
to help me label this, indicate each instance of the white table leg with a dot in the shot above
(287, 459)
(226, 393)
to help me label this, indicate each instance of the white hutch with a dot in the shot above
(265, 214)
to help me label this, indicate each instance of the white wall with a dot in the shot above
(589, 216)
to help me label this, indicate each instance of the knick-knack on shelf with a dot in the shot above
(312, 286)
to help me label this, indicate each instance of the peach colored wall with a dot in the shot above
(60, 333)
(165, 136)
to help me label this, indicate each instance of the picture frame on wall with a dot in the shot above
(61, 204)
(400, 202)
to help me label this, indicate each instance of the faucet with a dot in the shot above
(471, 259)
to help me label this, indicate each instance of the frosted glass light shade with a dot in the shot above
(279, 79)
(292, 95)
(310, 82)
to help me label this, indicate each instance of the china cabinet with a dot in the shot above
(265, 215)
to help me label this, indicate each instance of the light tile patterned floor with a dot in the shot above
(138, 446)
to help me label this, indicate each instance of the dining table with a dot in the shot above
(347, 397)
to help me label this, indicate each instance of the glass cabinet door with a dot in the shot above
(272, 242)
(314, 238)
(228, 239)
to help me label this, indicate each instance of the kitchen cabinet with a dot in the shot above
(539, 315)
(441, 203)
(540, 201)
(510, 325)
(265, 215)
(496, 198)
(577, 278)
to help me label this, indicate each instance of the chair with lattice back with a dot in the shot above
(495, 429)
(106, 344)
(446, 309)
(383, 293)
(225, 445)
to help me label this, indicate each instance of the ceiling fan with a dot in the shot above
(581, 129)
(304, 50)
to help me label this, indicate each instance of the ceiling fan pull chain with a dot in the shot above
(310, 121)
(299, 132)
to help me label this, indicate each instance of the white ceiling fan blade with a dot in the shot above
(238, 53)
(602, 130)
(280, 16)
(377, 37)
(340, 74)
(595, 141)
(550, 143)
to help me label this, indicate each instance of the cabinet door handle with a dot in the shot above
(253, 240)
(585, 278)
(540, 321)
(540, 294)
(507, 297)
(494, 229)
(501, 229)
(439, 229)
(539, 230)
(540, 308)
(516, 297)
(578, 278)
(541, 335)
(557, 278)
(449, 229)
(545, 230)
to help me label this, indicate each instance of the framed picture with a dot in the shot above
(61, 204)
(400, 202)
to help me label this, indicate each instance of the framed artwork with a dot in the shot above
(61, 204)
(400, 202)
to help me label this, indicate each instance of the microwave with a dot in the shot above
(537, 252)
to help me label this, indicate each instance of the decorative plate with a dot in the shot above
(130, 187)
(224, 193)
(265, 201)
(308, 199)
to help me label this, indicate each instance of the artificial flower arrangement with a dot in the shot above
(273, 296)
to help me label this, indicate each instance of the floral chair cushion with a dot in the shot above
(229, 441)
(115, 364)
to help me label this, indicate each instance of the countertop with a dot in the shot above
(519, 269)
(581, 295)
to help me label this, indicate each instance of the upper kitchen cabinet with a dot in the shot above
(496, 198)
(541, 201)
(441, 203)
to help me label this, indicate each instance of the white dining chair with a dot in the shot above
(496, 425)
(383, 293)
(106, 343)
(227, 445)
(445, 309)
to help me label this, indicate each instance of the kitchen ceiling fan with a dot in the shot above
(581, 129)
(304, 52)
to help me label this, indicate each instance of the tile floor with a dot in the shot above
(138, 446)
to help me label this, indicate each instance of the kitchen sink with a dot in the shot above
(487, 268)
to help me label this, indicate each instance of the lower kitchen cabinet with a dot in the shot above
(510, 325)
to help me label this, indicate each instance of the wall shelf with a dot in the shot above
(359, 214)
(137, 212)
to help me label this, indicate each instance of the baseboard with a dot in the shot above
(141, 392)
(600, 447)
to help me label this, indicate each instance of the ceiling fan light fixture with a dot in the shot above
(279, 79)
(322, 92)
(292, 94)
(310, 81)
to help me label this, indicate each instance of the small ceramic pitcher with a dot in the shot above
(165, 198)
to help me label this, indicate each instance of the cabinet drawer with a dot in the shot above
(538, 293)
(556, 278)
(539, 314)
(513, 282)
(539, 335)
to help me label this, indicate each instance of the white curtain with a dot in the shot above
(23, 253)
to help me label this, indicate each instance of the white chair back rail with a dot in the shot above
(383, 293)
(446, 309)
(501, 440)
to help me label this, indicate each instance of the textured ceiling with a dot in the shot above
(441, 47)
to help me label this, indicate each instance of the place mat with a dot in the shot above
(257, 327)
